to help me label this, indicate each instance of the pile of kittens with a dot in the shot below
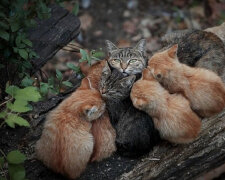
(128, 103)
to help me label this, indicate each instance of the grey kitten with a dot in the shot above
(127, 60)
(135, 132)
(198, 48)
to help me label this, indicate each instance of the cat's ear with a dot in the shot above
(84, 67)
(172, 52)
(106, 72)
(110, 46)
(86, 84)
(127, 82)
(88, 110)
(141, 46)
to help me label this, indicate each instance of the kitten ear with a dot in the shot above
(106, 71)
(141, 46)
(127, 82)
(172, 52)
(86, 84)
(84, 67)
(110, 46)
(146, 74)
(89, 110)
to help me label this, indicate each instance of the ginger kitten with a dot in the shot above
(66, 144)
(203, 88)
(199, 48)
(76, 132)
(171, 113)
(102, 130)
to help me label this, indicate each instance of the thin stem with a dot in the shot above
(6, 101)
(2, 153)
(2, 124)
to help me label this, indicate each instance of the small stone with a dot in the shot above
(97, 33)
(126, 13)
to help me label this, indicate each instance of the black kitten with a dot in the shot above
(135, 132)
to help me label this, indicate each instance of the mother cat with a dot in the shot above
(135, 130)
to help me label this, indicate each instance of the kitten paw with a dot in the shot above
(139, 103)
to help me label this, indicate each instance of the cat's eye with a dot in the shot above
(116, 60)
(133, 61)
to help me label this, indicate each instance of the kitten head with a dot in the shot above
(163, 62)
(90, 101)
(113, 85)
(127, 60)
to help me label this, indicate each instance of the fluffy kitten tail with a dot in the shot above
(67, 154)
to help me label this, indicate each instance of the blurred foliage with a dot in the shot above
(14, 161)
(16, 17)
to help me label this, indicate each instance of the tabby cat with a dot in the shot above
(135, 132)
(171, 113)
(203, 88)
(127, 60)
(198, 48)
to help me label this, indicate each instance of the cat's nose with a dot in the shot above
(124, 66)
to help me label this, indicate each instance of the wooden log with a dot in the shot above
(52, 34)
(188, 161)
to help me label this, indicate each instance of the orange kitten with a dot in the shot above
(104, 138)
(203, 88)
(75, 132)
(171, 113)
(93, 72)
(66, 144)
(102, 130)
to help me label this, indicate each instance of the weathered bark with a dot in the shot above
(52, 34)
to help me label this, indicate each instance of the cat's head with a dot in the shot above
(113, 85)
(90, 102)
(161, 63)
(127, 60)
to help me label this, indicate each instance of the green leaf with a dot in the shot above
(29, 93)
(16, 172)
(2, 14)
(73, 67)
(98, 54)
(16, 157)
(83, 54)
(15, 26)
(27, 42)
(27, 82)
(4, 35)
(11, 90)
(67, 83)
(1, 162)
(3, 114)
(2, 178)
(13, 119)
(19, 106)
(4, 25)
(59, 75)
(33, 54)
(44, 88)
(23, 53)
(75, 9)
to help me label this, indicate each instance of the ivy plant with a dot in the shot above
(17, 103)
(14, 160)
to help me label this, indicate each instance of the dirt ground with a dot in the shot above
(126, 22)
